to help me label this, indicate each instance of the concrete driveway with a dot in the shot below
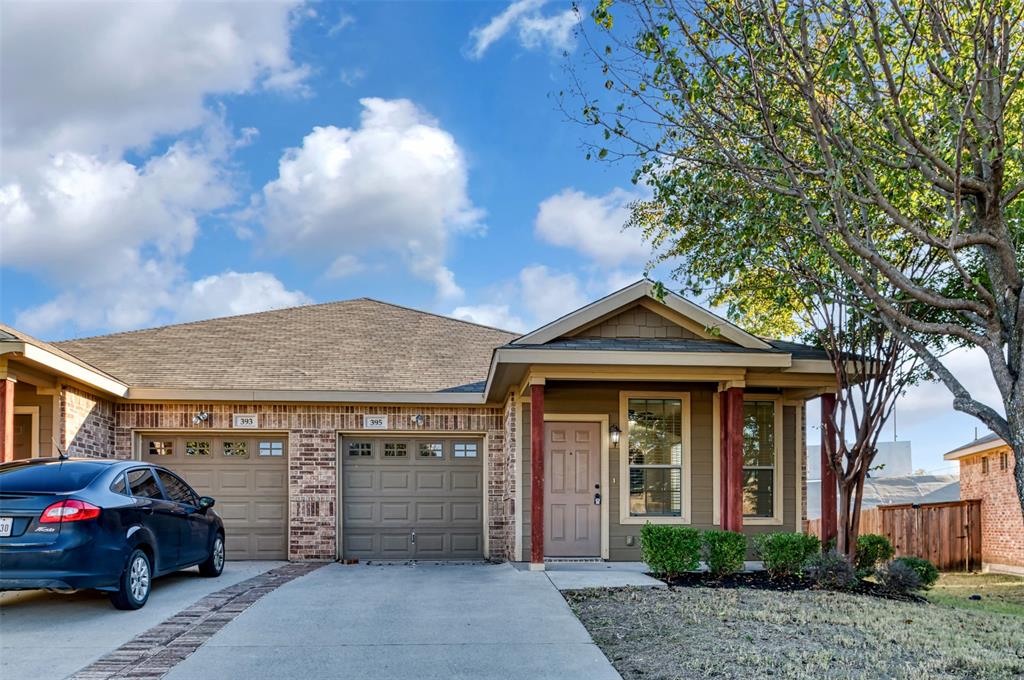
(46, 635)
(422, 621)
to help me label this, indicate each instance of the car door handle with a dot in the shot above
(148, 510)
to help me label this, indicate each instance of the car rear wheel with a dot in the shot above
(135, 584)
(214, 564)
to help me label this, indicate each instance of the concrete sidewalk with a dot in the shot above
(45, 636)
(404, 621)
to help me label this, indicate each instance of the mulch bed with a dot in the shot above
(759, 580)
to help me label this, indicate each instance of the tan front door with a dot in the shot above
(572, 482)
(23, 424)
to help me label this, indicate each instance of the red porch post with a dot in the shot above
(6, 419)
(537, 476)
(829, 522)
(732, 469)
(723, 460)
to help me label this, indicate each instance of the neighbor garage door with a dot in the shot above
(412, 498)
(247, 475)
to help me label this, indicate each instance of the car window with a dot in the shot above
(33, 476)
(119, 485)
(143, 484)
(176, 489)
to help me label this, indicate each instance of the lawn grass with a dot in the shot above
(745, 633)
(1000, 594)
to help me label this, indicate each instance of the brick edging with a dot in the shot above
(152, 654)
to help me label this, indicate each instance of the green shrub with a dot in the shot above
(832, 570)
(670, 550)
(724, 551)
(785, 554)
(898, 577)
(925, 570)
(872, 550)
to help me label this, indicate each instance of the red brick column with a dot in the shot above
(6, 419)
(829, 522)
(537, 476)
(732, 459)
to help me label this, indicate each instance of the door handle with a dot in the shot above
(597, 499)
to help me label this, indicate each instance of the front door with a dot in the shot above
(572, 488)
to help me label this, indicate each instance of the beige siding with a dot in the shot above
(603, 398)
(637, 322)
(25, 395)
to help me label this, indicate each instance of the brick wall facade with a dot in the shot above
(312, 469)
(1002, 525)
(86, 424)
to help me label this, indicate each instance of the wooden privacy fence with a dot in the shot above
(946, 534)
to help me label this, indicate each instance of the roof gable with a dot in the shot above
(634, 312)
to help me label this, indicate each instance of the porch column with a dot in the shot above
(537, 477)
(6, 418)
(732, 459)
(829, 522)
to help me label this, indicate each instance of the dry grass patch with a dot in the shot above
(741, 633)
(993, 593)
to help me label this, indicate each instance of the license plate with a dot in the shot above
(6, 526)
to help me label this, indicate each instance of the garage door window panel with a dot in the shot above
(271, 448)
(360, 449)
(396, 449)
(235, 449)
(464, 449)
(195, 448)
(160, 448)
(431, 450)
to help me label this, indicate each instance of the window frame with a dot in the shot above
(778, 496)
(985, 465)
(686, 439)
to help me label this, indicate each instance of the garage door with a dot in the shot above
(248, 475)
(412, 498)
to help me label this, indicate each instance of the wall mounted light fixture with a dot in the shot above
(613, 434)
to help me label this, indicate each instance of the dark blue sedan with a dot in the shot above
(73, 523)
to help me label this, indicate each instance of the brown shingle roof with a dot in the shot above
(352, 345)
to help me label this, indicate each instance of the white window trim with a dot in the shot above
(33, 411)
(778, 501)
(686, 507)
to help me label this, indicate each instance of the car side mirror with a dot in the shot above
(205, 503)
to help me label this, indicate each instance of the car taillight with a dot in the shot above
(69, 511)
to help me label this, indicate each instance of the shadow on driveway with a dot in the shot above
(47, 635)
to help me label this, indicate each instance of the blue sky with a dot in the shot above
(165, 162)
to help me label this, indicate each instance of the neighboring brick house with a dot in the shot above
(986, 473)
(361, 429)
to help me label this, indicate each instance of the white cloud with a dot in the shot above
(82, 84)
(493, 315)
(534, 29)
(344, 266)
(592, 225)
(352, 76)
(80, 218)
(233, 293)
(103, 77)
(547, 294)
(397, 185)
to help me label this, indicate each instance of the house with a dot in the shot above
(986, 473)
(361, 429)
(894, 459)
(908, 490)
